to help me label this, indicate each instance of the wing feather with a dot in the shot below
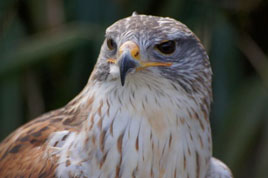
(23, 153)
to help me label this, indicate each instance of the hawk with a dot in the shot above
(143, 113)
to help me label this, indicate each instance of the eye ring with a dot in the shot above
(111, 44)
(166, 47)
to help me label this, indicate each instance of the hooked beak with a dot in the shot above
(129, 60)
(126, 65)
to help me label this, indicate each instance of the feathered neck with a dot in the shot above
(137, 127)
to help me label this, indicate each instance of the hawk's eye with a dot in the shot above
(167, 47)
(111, 44)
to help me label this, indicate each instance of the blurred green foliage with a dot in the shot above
(49, 47)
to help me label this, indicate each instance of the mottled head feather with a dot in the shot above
(191, 67)
(134, 13)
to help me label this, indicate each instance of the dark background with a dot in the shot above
(49, 47)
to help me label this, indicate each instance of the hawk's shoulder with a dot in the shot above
(23, 153)
(218, 169)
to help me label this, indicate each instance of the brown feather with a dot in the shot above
(23, 153)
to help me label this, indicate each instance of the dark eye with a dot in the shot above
(111, 44)
(167, 47)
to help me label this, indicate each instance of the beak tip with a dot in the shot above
(126, 65)
(122, 82)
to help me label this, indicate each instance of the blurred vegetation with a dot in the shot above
(49, 47)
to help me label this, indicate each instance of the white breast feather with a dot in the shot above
(149, 119)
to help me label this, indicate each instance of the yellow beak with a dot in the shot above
(129, 59)
(134, 50)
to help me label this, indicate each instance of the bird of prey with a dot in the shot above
(143, 113)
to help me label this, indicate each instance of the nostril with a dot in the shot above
(136, 54)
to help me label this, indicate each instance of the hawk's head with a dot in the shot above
(149, 48)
